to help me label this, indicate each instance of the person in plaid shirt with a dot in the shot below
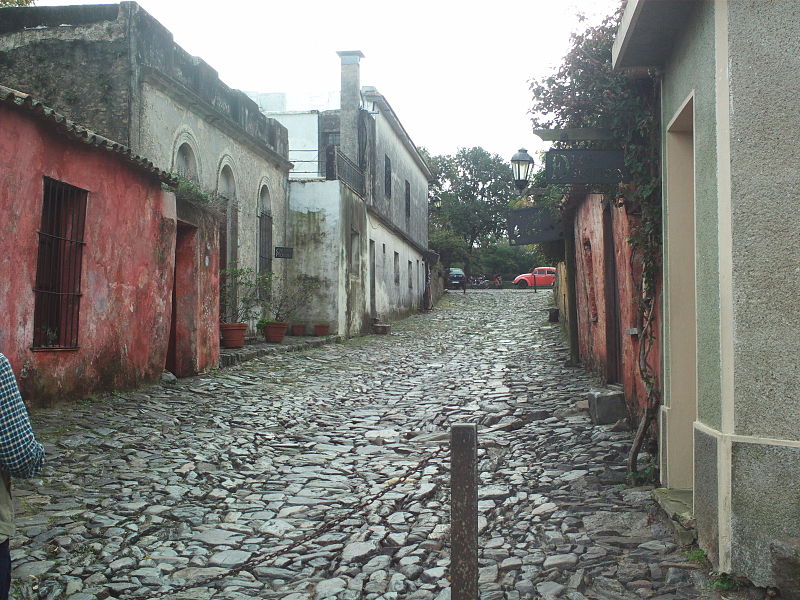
(20, 455)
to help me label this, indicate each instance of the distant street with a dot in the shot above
(281, 477)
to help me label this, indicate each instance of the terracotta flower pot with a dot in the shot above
(298, 329)
(321, 330)
(275, 331)
(232, 334)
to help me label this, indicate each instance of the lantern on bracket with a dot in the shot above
(522, 168)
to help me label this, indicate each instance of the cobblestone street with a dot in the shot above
(233, 475)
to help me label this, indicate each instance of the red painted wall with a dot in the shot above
(127, 270)
(593, 299)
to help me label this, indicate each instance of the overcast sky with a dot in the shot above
(456, 72)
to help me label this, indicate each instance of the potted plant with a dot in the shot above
(321, 330)
(242, 294)
(298, 329)
(287, 300)
(272, 330)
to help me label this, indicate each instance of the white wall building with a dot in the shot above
(358, 208)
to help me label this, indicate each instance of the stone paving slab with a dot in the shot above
(333, 461)
(229, 357)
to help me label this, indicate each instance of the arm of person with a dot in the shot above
(20, 454)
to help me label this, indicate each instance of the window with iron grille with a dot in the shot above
(387, 177)
(264, 247)
(58, 267)
(396, 268)
(408, 202)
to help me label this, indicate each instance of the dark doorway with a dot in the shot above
(372, 301)
(613, 333)
(182, 324)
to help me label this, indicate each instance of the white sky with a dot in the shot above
(447, 67)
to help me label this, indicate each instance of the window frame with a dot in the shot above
(59, 263)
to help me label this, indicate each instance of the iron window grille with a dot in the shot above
(58, 269)
(264, 249)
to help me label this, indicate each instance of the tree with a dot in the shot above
(5, 3)
(469, 194)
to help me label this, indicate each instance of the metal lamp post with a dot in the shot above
(522, 167)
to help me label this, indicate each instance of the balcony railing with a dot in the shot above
(349, 174)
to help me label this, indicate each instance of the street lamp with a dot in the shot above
(522, 167)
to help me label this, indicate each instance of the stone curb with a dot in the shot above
(229, 357)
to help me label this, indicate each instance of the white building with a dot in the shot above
(358, 208)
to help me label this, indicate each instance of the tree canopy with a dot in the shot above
(470, 195)
(5, 3)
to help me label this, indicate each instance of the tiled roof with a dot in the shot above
(73, 131)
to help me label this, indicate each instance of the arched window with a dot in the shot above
(227, 184)
(186, 162)
(229, 233)
(264, 231)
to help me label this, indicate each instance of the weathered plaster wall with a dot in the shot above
(118, 71)
(354, 233)
(166, 123)
(82, 70)
(593, 298)
(315, 233)
(197, 290)
(387, 143)
(747, 274)
(395, 299)
(127, 268)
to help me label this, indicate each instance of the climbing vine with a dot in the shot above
(585, 92)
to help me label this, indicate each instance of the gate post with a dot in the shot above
(464, 511)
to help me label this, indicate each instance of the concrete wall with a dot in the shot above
(729, 61)
(689, 72)
(761, 397)
(127, 264)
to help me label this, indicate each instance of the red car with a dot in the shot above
(540, 277)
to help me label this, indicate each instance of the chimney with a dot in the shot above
(350, 103)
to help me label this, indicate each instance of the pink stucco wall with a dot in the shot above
(127, 270)
(594, 301)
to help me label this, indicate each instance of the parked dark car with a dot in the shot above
(455, 278)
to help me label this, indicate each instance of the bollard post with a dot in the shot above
(464, 511)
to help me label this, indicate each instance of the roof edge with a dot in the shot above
(71, 130)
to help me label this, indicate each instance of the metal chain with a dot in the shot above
(261, 557)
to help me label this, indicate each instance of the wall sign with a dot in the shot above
(534, 225)
(584, 166)
(283, 252)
